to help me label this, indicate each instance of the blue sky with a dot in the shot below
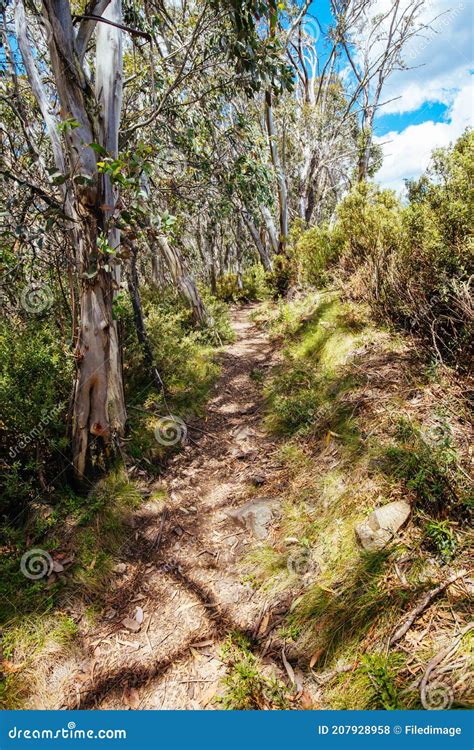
(434, 98)
(433, 101)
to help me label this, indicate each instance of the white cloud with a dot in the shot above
(407, 153)
(439, 60)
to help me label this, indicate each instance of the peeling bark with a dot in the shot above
(279, 173)
(183, 279)
(99, 404)
(261, 249)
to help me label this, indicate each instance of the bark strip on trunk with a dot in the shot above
(183, 279)
(279, 172)
(261, 249)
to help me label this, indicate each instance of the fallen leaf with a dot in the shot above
(131, 644)
(306, 700)
(57, 567)
(288, 667)
(202, 644)
(132, 698)
(7, 667)
(264, 624)
(206, 697)
(299, 677)
(315, 657)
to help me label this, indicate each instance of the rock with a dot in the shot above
(131, 624)
(119, 568)
(257, 480)
(382, 525)
(256, 515)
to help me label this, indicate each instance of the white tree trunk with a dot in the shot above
(183, 280)
(99, 407)
(279, 172)
(270, 227)
(261, 249)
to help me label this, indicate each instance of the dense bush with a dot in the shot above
(413, 263)
(254, 285)
(181, 353)
(313, 253)
(35, 388)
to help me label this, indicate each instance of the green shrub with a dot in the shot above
(414, 264)
(279, 279)
(429, 470)
(246, 688)
(254, 285)
(36, 377)
(441, 539)
(314, 252)
(228, 288)
(382, 676)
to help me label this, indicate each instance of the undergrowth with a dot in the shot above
(359, 428)
(245, 686)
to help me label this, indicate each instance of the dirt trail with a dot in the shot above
(181, 563)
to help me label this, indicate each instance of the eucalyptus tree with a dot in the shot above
(373, 36)
(82, 117)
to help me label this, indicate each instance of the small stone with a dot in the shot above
(257, 480)
(381, 526)
(132, 625)
(256, 515)
(119, 568)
